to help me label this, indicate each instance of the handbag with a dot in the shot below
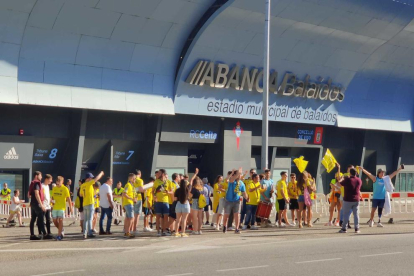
(77, 202)
(202, 202)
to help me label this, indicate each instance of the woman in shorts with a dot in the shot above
(196, 211)
(182, 209)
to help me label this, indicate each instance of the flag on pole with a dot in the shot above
(329, 161)
(301, 163)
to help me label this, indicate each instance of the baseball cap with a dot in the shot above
(380, 171)
(89, 175)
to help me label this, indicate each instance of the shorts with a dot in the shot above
(138, 207)
(146, 211)
(293, 204)
(232, 206)
(97, 210)
(206, 208)
(220, 206)
(378, 203)
(194, 205)
(58, 214)
(282, 204)
(182, 208)
(81, 216)
(129, 211)
(162, 208)
(172, 212)
(15, 212)
(301, 199)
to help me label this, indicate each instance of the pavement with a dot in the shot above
(318, 250)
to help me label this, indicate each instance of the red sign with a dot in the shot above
(318, 136)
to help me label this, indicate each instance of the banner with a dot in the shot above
(329, 161)
(301, 163)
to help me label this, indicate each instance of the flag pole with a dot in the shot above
(265, 107)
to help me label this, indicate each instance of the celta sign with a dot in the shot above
(220, 76)
(201, 134)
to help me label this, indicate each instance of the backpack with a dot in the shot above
(202, 202)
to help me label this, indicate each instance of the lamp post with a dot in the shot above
(265, 107)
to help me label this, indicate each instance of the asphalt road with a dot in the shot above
(319, 251)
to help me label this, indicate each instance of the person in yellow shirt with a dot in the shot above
(282, 199)
(87, 193)
(60, 195)
(335, 202)
(96, 205)
(128, 205)
(117, 195)
(147, 207)
(162, 190)
(5, 192)
(138, 189)
(222, 189)
(253, 191)
(216, 199)
(293, 196)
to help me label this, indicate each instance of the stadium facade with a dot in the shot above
(115, 85)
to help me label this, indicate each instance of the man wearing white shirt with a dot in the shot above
(46, 202)
(107, 206)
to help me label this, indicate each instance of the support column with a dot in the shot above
(79, 157)
(272, 162)
(156, 145)
(319, 183)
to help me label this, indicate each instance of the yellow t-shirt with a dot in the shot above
(129, 191)
(138, 183)
(312, 194)
(216, 197)
(173, 187)
(225, 185)
(293, 190)
(148, 198)
(60, 194)
(254, 197)
(87, 192)
(281, 187)
(5, 194)
(96, 197)
(161, 189)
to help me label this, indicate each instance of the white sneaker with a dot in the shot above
(217, 228)
(136, 233)
(231, 228)
(293, 224)
(244, 227)
(328, 224)
(282, 225)
(195, 233)
(145, 229)
(150, 229)
(379, 224)
(254, 227)
(371, 223)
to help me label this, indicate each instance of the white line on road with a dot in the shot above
(181, 274)
(241, 268)
(315, 261)
(61, 272)
(7, 245)
(152, 247)
(383, 254)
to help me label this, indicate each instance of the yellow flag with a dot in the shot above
(329, 161)
(301, 163)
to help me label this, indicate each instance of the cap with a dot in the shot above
(380, 171)
(89, 175)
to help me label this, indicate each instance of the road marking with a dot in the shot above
(241, 268)
(181, 274)
(7, 245)
(384, 254)
(315, 261)
(61, 272)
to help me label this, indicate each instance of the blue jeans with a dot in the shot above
(243, 211)
(341, 213)
(105, 212)
(87, 223)
(250, 215)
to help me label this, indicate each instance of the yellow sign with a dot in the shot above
(329, 161)
(301, 163)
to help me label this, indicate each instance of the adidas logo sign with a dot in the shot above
(11, 154)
